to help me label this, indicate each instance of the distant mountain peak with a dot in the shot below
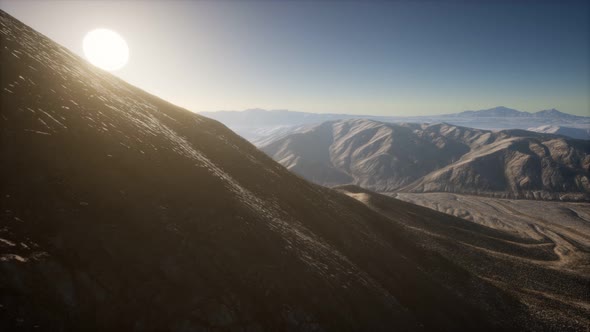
(495, 112)
(502, 108)
(550, 111)
(503, 112)
(556, 115)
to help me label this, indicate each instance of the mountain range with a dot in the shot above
(257, 125)
(388, 157)
(505, 112)
(120, 211)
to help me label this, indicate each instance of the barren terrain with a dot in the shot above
(541, 255)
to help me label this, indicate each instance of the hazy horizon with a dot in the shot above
(375, 58)
(369, 114)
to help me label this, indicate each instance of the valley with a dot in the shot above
(564, 224)
(538, 251)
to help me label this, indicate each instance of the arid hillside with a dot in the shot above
(387, 157)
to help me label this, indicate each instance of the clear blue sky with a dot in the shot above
(376, 57)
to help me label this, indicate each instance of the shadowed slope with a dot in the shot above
(120, 211)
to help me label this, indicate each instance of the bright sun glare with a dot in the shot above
(105, 49)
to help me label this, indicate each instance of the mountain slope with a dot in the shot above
(120, 211)
(438, 157)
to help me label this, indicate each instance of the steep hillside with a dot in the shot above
(121, 212)
(438, 157)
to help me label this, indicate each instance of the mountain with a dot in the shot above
(388, 157)
(557, 115)
(120, 211)
(259, 126)
(501, 117)
(577, 133)
(499, 111)
(550, 115)
(505, 112)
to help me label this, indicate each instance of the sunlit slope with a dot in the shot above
(120, 211)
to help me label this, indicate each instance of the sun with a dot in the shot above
(106, 49)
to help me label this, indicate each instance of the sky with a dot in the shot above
(372, 57)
